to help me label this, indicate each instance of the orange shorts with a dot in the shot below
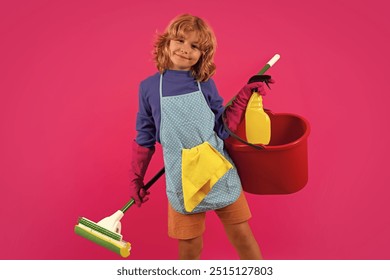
(188, 226)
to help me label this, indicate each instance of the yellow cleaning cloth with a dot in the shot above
(202, 167)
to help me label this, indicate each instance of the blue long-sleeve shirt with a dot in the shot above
(174, 83)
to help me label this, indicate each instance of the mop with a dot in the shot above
(107, 232)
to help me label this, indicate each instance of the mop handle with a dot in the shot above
(269, 64)
(146, 187)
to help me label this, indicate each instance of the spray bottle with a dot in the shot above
(257, 122)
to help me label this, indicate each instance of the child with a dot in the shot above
(180, 108)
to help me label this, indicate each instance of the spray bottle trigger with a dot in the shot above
(260, 78)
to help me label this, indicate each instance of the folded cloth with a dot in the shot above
(202, 167)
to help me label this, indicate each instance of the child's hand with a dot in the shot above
(254, 87)
(140, 159)
(236, 111)
(256, 83)
(138, 193)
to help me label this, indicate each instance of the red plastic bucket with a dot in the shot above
(281, 167)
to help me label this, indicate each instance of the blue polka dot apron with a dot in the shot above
(187, 124)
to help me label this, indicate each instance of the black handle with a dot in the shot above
(154, 179)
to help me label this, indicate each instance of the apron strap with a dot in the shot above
(200, 89)
(161, 76)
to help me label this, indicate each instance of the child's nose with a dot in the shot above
(185, 48)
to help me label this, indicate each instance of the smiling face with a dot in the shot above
(184, 52)
(188, 43)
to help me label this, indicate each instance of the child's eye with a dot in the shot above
(195, 46)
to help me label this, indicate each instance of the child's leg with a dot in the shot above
(188, 230)
(235, 220)
(241, 237)
(190, 249)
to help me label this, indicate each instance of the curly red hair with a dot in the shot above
(180, 25)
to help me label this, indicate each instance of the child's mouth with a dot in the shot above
(183, 57)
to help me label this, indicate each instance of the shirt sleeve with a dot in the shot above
(145, 126)
(216, 105)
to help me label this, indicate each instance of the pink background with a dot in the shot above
(69, 77)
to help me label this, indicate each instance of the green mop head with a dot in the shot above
(100, 233)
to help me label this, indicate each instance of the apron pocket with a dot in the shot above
(202, 167)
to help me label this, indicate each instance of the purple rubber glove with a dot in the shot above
(235, 112)
(140, 159)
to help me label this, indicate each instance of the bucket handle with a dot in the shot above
(231, 133)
